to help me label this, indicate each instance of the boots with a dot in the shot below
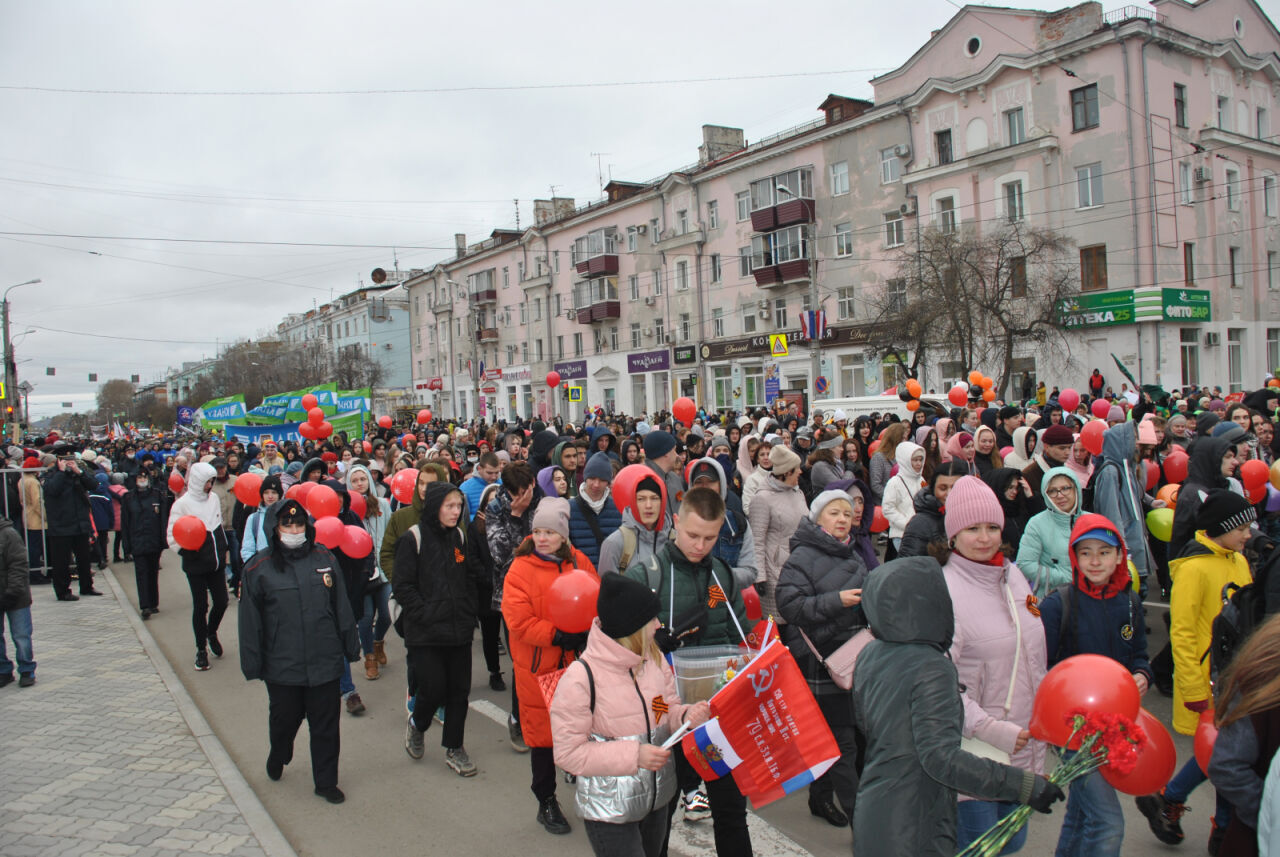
(370, 667)
(379, 651)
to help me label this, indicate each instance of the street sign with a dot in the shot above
(820, 384)
(575, 394)
(778, 345)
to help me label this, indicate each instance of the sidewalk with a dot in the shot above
(108, 755)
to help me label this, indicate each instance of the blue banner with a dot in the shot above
(352, 423)
(186, 415)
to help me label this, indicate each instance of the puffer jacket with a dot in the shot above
(901, 489)
(435, 583)
(907, 702)
(524, 608)
(683, 591)
(1042, 553)
(210, 557)
(984, 647)
(626, 687)
(1199, 574)
(582, 534)
(1118, 491)
(296, 627)
(925, 526)
(1204, 473)
(808, 597)
(775, 514)
(16, 579)
(142, 520)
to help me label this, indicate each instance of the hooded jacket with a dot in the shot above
(1042, 554)
(1118, 491)
(907, 699)
(776, 512)
(15, 592)
(926, 525)
(375, 524)
(901, 489)
(397, 525)
(808, 597)
(1016, 514)
(648, 541)
(581, 518)
(683, 591)
(296, 626)
(1025, 444)
(142, 520)
(611, 450)
(1204, 473)
(983, 464)
(540, 448)
(211, 556)
(313, 465)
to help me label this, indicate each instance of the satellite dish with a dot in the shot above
(379, 276)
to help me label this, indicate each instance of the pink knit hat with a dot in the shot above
(1147, 431)
(971, 502)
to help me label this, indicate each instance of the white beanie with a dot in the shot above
(820, 502)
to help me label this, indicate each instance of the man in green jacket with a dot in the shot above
(405, 517)
(701, 605)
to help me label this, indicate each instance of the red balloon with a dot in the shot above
(685, 410)
(189, 532)
(1257, 493)
(959, 395)
(309, 401)
(307, 430)
(1206, 735)
(1091, 436)
(1152, 472)
(292, 491)
(176, 482)
(384, 421)
(403, 485)
(248, 489)
(1157, 760)
(315, 416)
(571, 600)
(1100, 408)
(356, 543)
(872, 447)
(751, 599)
(323, 502)
(1254, 474)
(553, 380)
(329, 532)
(368, 447)
(1069, 399)
(324, 430)
(304, 490)
(408, 441)
(358, 505)
(879, 523)
(1093, 683)
(424, 416)
(1175, 467)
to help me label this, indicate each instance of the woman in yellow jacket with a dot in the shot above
(1205, 565)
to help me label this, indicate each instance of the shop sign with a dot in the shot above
(1172, 304)
(648, 361)
(685, 354)
(571, 370)
(858, 334)
(1097, 309)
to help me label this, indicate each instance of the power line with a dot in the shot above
(126, 338)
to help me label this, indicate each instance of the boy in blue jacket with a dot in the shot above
(1097, 613)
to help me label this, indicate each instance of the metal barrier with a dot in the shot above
(16, 474)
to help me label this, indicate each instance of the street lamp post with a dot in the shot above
(10, 370)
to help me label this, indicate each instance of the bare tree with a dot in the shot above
(354, 368)
(115, 397)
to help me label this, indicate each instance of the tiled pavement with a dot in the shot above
(107, 754)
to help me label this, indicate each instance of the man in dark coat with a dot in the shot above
(15, 606)
(144, 509)
(66, 497)
(296, 632)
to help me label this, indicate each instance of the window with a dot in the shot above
(537, 309)
(844, 239)
(722, 382)
(742, 205)
(524, 313)
(682, 276)
(1224, 112)
(555, 260)
(1187, 186)
(1014, 129)
(744, 261)
(1235, 359)
(1263, 123)
(1089, 185)
(633, 287)
(780, 313)
(896, 293)
(1273, 278)
(839, 178)
(1084, 107)
(715, 268)
(942, 146)
(555, 304)
(657, 283)
(685, 330)
(749, 318)
(1269, 196)
(559, 347)
(1013, 210)
(1180, 105)
(713, 215)
(613, 338)
(1273, 346)
(654, 235)
(717, 322)
(947, 214)
(753, 386)
(524, 353)
(682, 221)
(598, 340)
(520, 271)
(1233, 266)
(893, 229)
(793, 184)
(633, 239)
(844, 303)
(1093, 268)
(506, 277)
(1233, 189)
(890, 166)
(577, 345)
(635, 334)
(659, 330)
(1018, 277)
(1189, 350)
(537, 349)
(1189, 263)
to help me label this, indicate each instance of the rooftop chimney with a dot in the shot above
(460, 243)
(719, 141)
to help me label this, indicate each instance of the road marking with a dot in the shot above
(495, 713)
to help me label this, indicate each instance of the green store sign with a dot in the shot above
(1128, 306)
(1097, 309)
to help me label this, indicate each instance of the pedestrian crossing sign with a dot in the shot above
(778, 345)
(575, 394)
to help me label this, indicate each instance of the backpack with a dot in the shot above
(629, 545)
(1243, 610)
(1086, 501)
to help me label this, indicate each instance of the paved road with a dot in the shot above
(395, 804)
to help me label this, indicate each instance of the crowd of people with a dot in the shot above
(980, 545)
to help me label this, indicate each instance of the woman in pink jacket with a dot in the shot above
(998, 648)
(613, 707)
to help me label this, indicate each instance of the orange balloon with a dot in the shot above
(1169, 494)
(988, 395)
(975, 377)
(913, 405)
(988, 382)
(1274, 382)
(914, 388)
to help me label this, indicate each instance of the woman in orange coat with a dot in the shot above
(537, 646)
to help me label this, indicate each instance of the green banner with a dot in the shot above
(353, 400)
(1097, 309)
(324, 393)
(217, 411)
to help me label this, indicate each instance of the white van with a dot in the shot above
(866, 405)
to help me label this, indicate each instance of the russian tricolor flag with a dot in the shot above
(709, 751)
(813, 324)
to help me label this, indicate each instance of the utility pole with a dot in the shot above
(815, 339)
(10, 368)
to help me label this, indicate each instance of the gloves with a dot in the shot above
(1044, 795)
(667, 641)
(565, 640)
(1200, 706)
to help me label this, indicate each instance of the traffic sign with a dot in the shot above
(575, 394)
(778, 345)
(820, 384)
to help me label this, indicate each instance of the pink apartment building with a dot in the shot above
(1143, 134)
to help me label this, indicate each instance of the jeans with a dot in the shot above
(643, 838)
(976, 817)
(1093, 825)
(35, 550)
(345, 684)
(233, 547)
(1184, 783)
(376, 603)
(19, 620)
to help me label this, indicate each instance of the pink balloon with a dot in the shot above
(356, 543)
(1069, 399)
(329, 532)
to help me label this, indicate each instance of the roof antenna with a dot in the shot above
(600, 167)
(516, 203)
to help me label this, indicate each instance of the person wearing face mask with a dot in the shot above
(205, 567)
(143, 511)
(901, 489)
(296, 634)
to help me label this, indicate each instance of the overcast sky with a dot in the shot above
(387, 169)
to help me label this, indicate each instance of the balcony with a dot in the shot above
(782, 200)
(783, 274)
(486, 334)
(781, 257)
(787, 213)
(599, 311)
(596, 253)
(598, 266)
(484, 296)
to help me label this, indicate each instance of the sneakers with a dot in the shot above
(26, 680)
(696, 806)
(1216, 835)
(414, 744)
(355, 705)
(202, 660)
(215, 646)
(332, 794)
(439, 715)
(516, 735)
(145, 613)
(275, 770)
(1163, 816)
(496, 682)
(550, 816)
(459, 761)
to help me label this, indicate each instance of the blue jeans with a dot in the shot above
(345, 684)
(376, 602)
(976, 817)
(20, 630)
(1093, 825)
(1184, 783)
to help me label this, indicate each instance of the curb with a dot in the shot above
(265, 830)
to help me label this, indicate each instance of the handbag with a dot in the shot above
(841, 662)
(976, 746)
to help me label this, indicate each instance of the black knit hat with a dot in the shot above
(624, 605)
(1221, 511)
